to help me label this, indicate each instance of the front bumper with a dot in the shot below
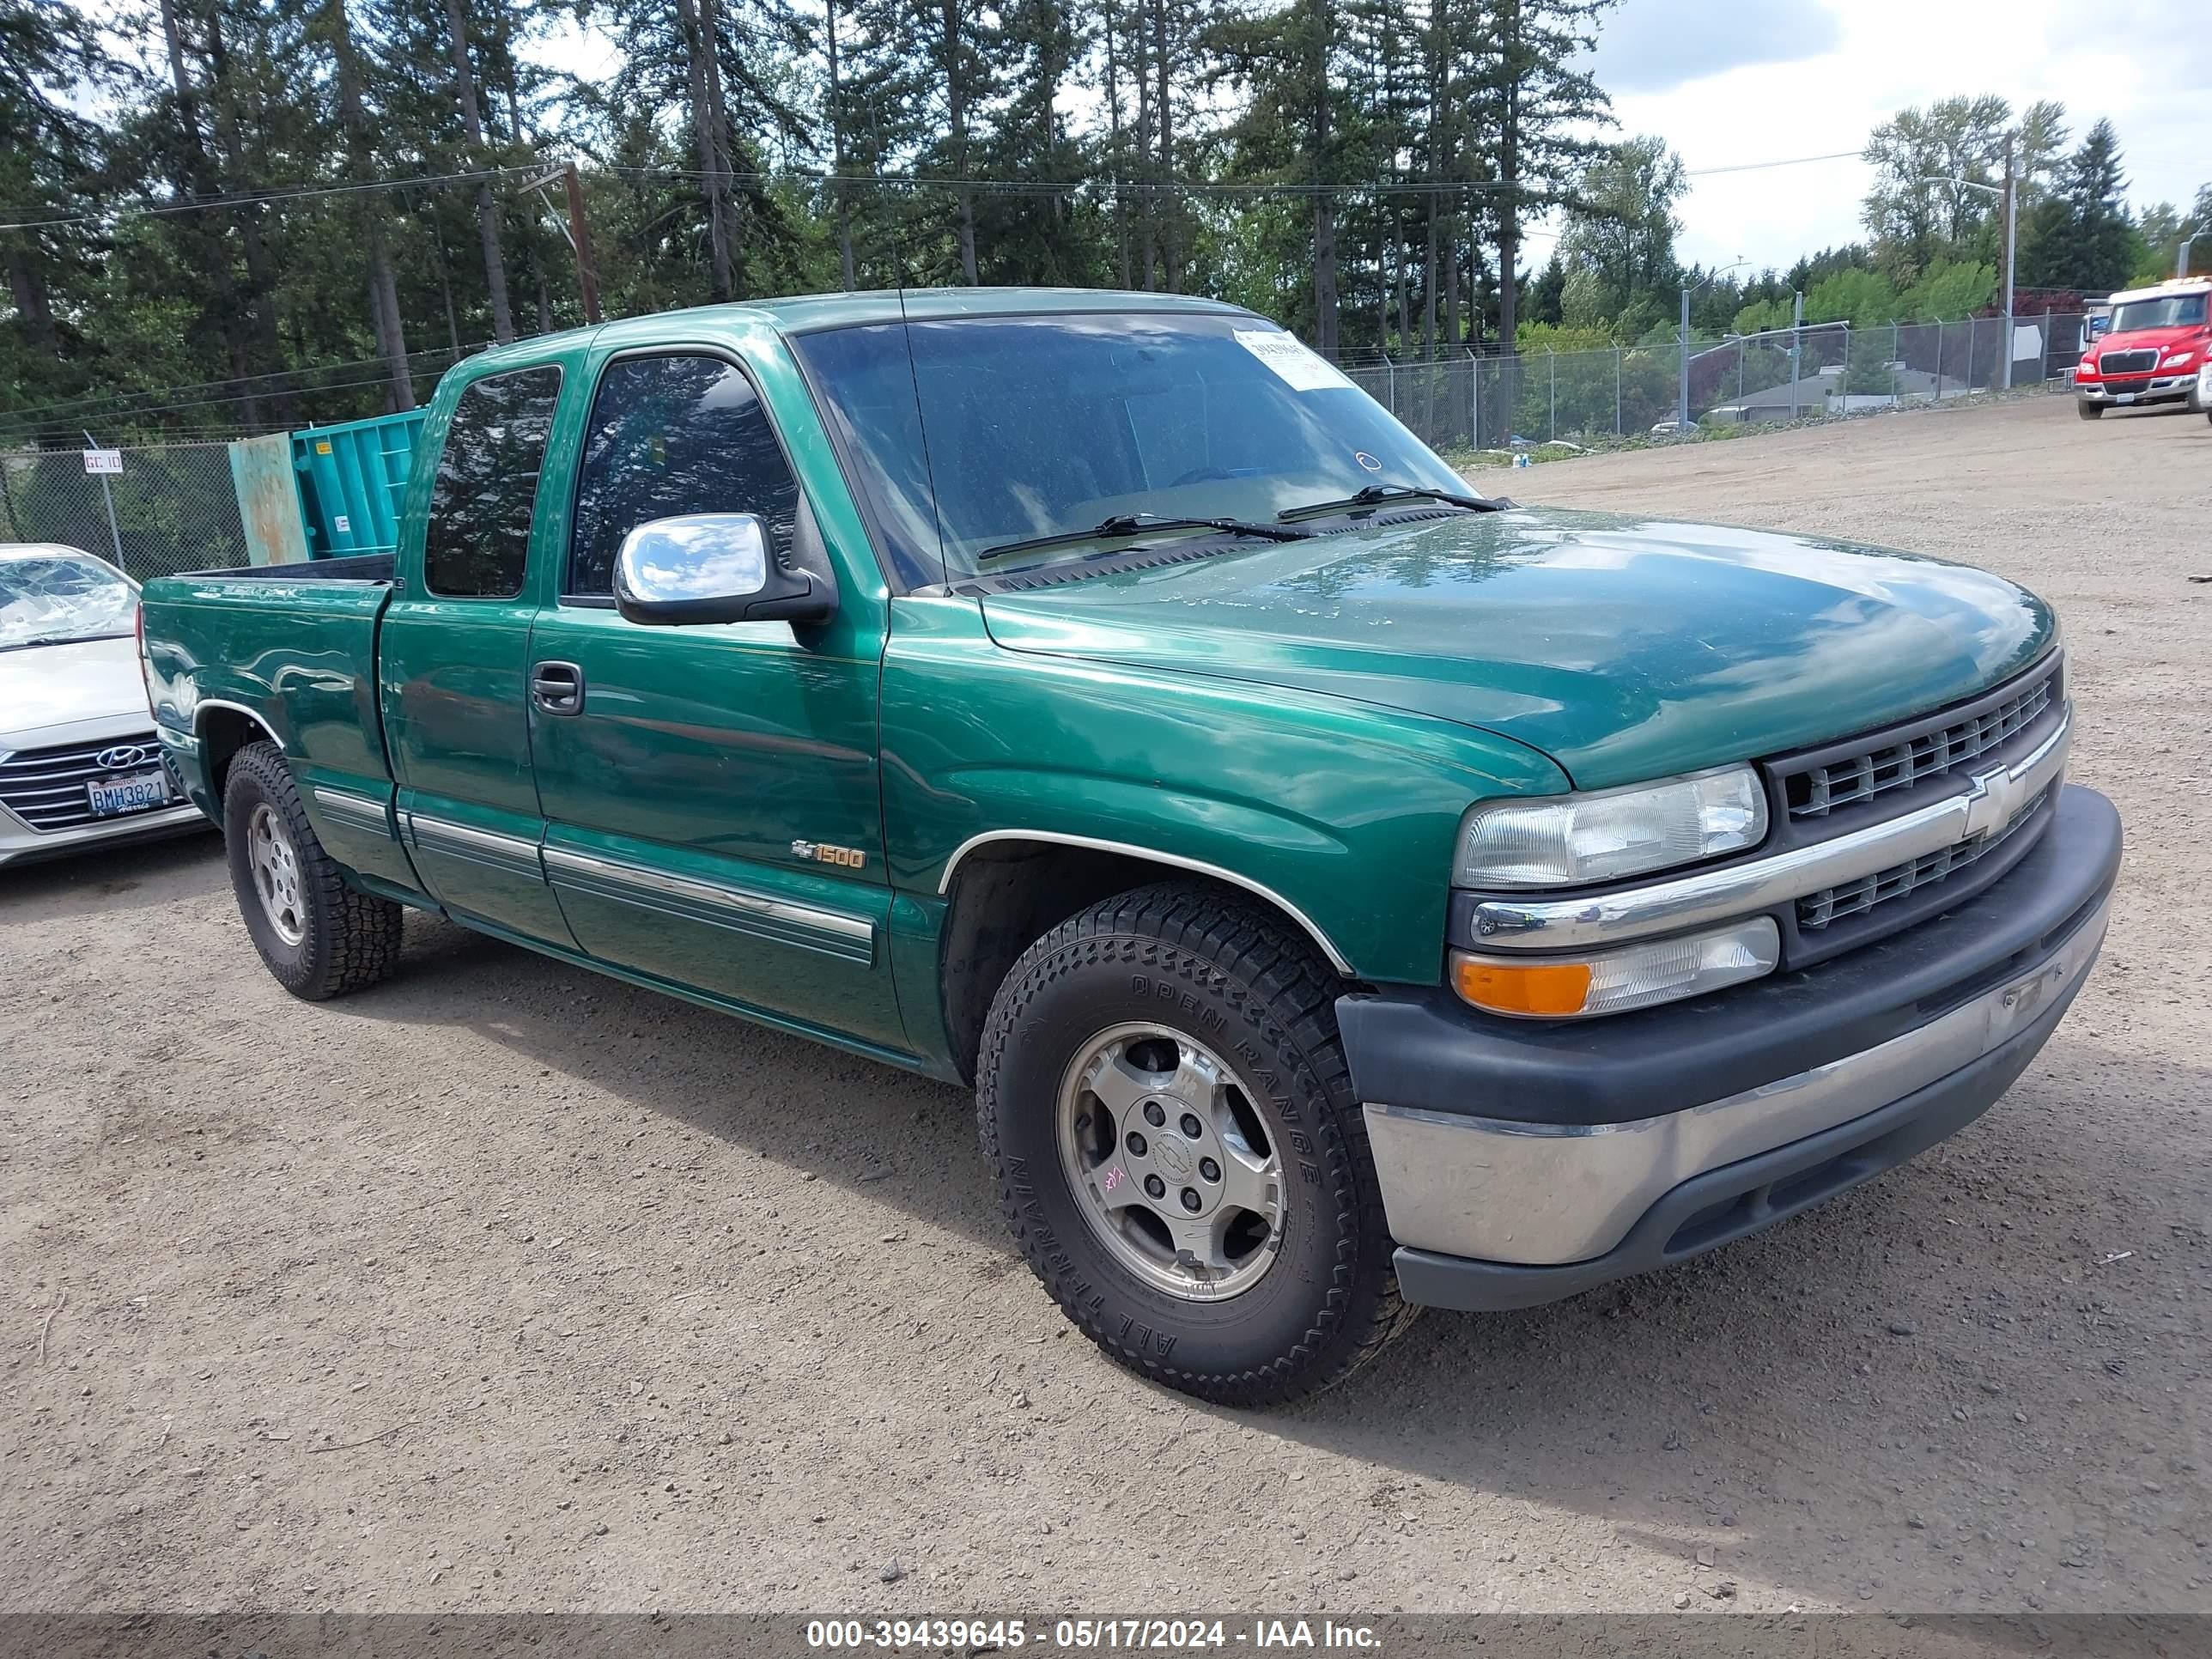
(2172, 388)
(1522, 1164)
(20, 844)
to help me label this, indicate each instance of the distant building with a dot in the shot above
(1822, 393)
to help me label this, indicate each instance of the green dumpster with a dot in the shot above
(331, 492)
(353, 478)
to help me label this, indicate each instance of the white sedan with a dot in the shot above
(79, 764)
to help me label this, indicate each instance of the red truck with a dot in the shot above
(2159, 342)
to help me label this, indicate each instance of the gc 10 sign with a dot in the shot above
(103, 460)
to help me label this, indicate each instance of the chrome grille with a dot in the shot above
(1851, 898)
(45, 788)
(2127, 362)
(1814, 792)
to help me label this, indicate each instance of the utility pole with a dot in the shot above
(2012, 232)
(1796, 347)
(587, 270)
(1682, 369)
(577, 231)
(1682, 382)
(2009, 197)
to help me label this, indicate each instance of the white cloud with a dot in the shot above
(1722, 98)
(1651, 47)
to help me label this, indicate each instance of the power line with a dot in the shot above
(255, 198)
(101, 406)
(1761, 166)
(59, 424)
(880, 180)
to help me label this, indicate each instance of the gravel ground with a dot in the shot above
(504, 1287)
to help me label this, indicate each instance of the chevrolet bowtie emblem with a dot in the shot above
(1992, 799)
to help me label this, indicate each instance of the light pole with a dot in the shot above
(2008, 194)
(1682, 382)
(2181, 259)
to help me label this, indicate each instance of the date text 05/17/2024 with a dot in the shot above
(1084, 1635)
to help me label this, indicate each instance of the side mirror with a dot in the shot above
(712, 568)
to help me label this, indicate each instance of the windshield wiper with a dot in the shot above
(1139, 524)
(1381, 495)
(60, 639)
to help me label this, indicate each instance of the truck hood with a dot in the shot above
(45, 686)
(1624, 648)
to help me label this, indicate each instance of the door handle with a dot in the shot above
(557, 688)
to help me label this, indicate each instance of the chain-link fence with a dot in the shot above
(173, 507)
(1496, 402)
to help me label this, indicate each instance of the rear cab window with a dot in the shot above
(478, 539)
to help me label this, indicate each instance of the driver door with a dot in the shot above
(710, 791)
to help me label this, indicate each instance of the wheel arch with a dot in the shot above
(224, 728)
(1005, 889)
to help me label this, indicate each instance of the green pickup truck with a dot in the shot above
(1343, 892)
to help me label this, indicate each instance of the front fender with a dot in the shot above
(1342, 811)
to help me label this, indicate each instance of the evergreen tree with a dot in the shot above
(2078, 237)
(48, 154)
(1536, 101)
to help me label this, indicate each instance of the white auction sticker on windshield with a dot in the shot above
(1283, 354)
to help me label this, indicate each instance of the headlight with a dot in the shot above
(2178, 359)
(2086, 368)
(1564, 840)
(1614, 982)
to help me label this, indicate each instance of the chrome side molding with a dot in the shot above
(784, 921)
(354, 811)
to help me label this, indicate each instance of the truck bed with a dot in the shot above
(365, 567)
(291, 646)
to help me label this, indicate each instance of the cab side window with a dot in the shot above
(671, 435)
(487, 485)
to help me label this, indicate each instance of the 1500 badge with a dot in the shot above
(820, 852)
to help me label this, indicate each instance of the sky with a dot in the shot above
(1728, 82)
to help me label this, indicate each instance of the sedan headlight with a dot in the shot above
(1565, 841)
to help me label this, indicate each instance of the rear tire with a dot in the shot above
(318, 937)
(2089, 411)
(1180, 998)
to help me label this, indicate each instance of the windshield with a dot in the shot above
(976, 433)
(45, 599)
(2173, 311)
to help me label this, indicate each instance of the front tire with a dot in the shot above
(1165, 1100)
(2089, 411)
(318, 937)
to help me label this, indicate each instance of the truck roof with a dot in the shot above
(804, 312)
(2160, 290)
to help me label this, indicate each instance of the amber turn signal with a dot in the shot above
(1613, 982)
(1540, 988)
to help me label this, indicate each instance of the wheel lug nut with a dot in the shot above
(1155, 1187)
(1137, 1144)
(1190, 1198)
(1153, 1115)
(1209, 1169)
(1192, 1128)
